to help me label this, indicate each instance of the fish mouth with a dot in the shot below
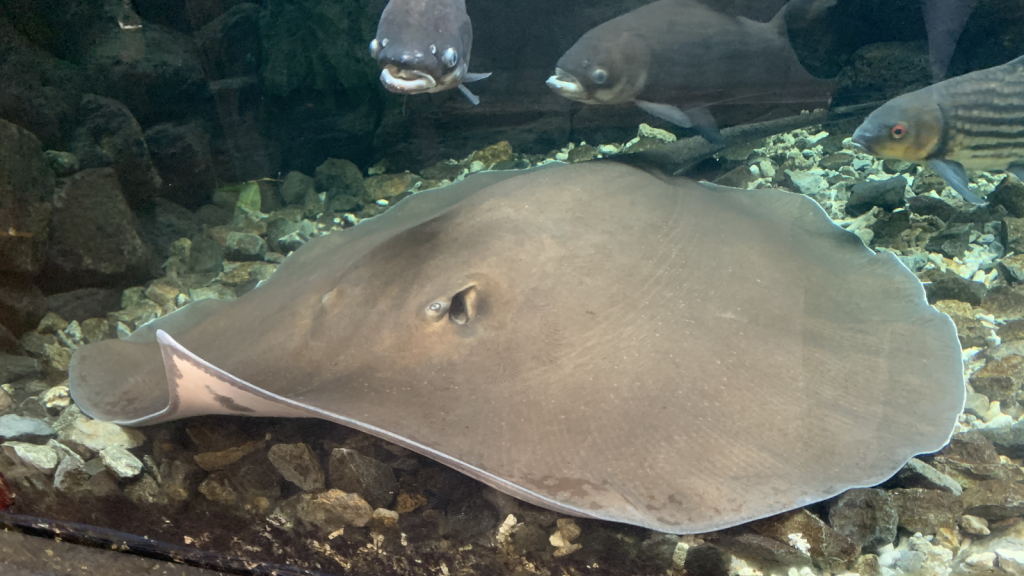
(859, 140)
(406, 81)
(566, 85)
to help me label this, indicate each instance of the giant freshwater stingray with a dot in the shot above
(593, 339)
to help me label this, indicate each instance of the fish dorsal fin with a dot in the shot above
(197, 387)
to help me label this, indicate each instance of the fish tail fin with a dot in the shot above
(798, 14)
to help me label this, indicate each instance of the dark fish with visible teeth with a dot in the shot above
(423, 46)
(971, 122)
(673, 58)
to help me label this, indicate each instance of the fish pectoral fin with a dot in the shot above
(1017, 170)
(698, 118)
(475, 76)
(955, 175)
(473, 98)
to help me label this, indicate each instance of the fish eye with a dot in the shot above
(433, 49)
(384, 43)
(450, 57)
(599, 76)
(898, 131)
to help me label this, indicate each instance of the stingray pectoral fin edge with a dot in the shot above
(197, 387)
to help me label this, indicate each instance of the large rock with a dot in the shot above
(165, 224)
(26, 187)
(38, 92)
(110, 136)
(231, 43)
(829, 549)
(93, 240)
(80, 305)
(22, 304)
(181, 154)
(866, 516)
(155, 71)
(926, 511)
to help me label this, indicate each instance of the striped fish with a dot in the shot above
(971, 122)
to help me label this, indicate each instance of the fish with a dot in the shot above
(970, 122)
(674, 58)
(424, 46)
(599, 340)
(944, 22)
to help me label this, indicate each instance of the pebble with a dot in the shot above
(42, 458)
(6, 402)
(241, 246)
(121, 462)
(56, 398)
(886, 194)
(1011, 561)
(71, 475)
(14, 427)
(350, 471)
(917, 474)
(807, 182)
(217, 460)
(98, 435)
(297, 464)
(646, 131)
(866, 516)
(333, 510)
(981, 559)
(974, 525)
(14, 368)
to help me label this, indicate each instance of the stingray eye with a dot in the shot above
(436, 310)
(599, 76)
(898, 131)
(374, 48)
(450, 57)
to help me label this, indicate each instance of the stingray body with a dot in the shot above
(589, 338)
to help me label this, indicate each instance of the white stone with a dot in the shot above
(56, 398)
(42, 458)
(98, 435)
(1012, 561)
(121, 462)
(981, 559)
(645, 131)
